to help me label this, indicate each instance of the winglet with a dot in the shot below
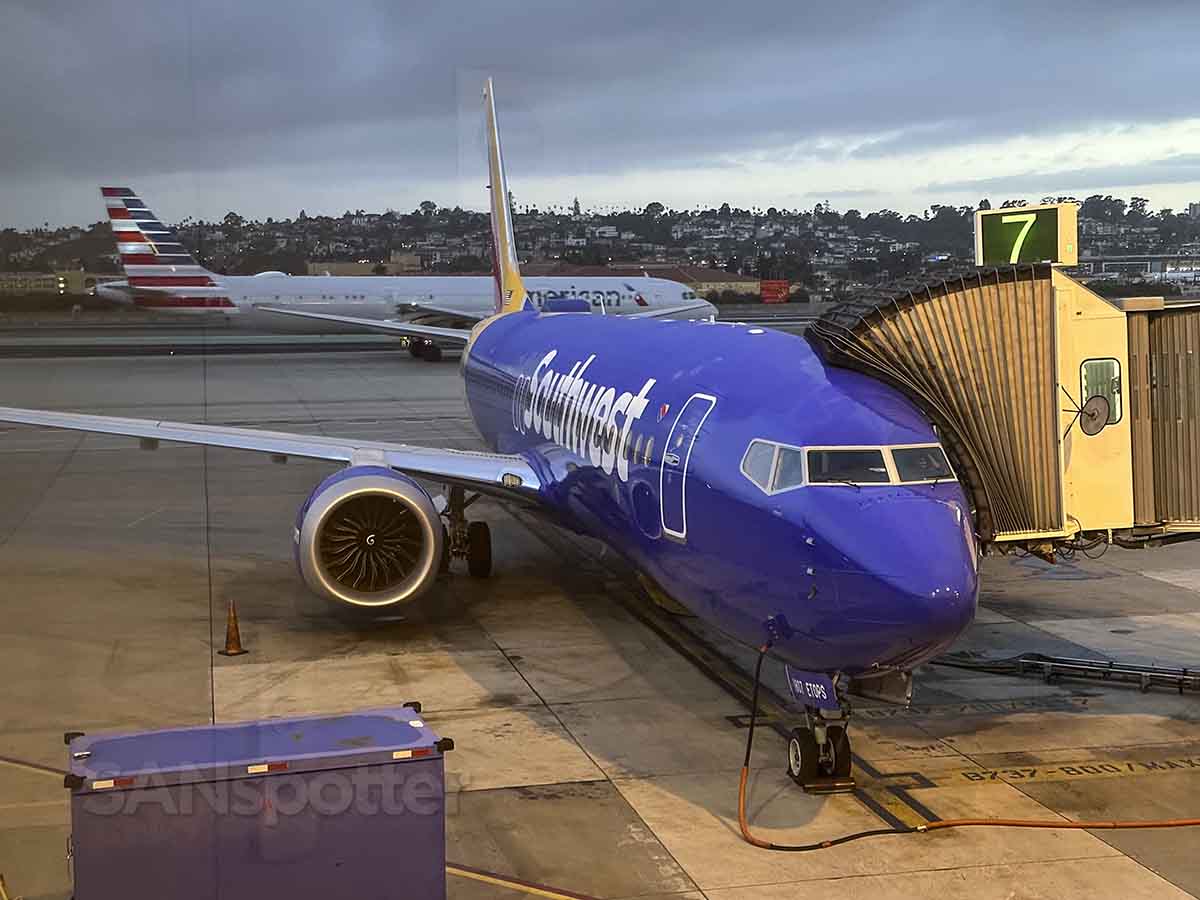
(510, 290)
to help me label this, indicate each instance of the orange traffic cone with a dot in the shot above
(233, 635)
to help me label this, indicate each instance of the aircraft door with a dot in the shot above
(676, 456)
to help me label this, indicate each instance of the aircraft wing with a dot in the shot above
(387, 326)
(420, 306)
(701, 306)
(508, 476)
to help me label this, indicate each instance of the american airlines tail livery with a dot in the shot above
(784, 501)
(162, 274)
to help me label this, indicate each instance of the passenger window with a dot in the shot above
(758, 463)
(637, 448)
(847, 466)
(922, 464)
(789, 471)
(1102, 377)
(649, 449)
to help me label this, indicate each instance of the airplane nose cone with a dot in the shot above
(912, 585)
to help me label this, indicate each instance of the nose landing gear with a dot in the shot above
(818, 753)
(819, 758)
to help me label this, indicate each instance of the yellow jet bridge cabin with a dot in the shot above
(1071, 420)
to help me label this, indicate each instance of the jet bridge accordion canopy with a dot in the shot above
(976, 352)
(1164, 388)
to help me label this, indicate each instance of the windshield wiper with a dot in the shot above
(853, 484)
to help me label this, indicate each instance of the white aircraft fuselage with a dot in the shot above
(241, 297)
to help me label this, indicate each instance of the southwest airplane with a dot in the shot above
(779, 499)
(162, 274)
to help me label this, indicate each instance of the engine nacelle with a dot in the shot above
(370, 537)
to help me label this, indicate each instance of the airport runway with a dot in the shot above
(592, 754)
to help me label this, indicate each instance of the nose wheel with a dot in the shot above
(819, 758)
(804, 756)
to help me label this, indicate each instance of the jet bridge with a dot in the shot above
(1071, 420)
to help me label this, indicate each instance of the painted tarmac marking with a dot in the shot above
(148, 515)
(972, 708)
(31, 766)
(1075, 771)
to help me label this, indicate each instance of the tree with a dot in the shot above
(379, 269)
(427, 208)
(1105, 208)
(654, 210)
(575, 207)
(985, 203)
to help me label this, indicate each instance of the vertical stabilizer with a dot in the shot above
(510, 290)
(161, 272)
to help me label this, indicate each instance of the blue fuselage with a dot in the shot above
(638, 430)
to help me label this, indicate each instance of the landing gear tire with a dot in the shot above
(444, 567)
(840, 761)
(479, 549)
(414, 350)
(804, 756)
(431, 353)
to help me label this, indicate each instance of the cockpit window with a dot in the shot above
(789, 471)
(758, 463)
(853, 466)
(776, 467)
(921, 464)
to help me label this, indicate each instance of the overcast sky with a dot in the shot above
(267, 108)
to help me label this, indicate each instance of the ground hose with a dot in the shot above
(939, 825)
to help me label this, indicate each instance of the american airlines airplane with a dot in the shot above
(162, 274)
(782, 500)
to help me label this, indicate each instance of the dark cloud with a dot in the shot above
(198, 97)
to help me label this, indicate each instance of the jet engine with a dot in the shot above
(369, 537)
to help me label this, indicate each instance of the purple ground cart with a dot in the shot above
(325, 806)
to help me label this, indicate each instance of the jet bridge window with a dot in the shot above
(922, 464)
(847, 466)
(1102, 377)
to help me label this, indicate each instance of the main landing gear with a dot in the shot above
(818, 752)
(423, 348)
(467, 540)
